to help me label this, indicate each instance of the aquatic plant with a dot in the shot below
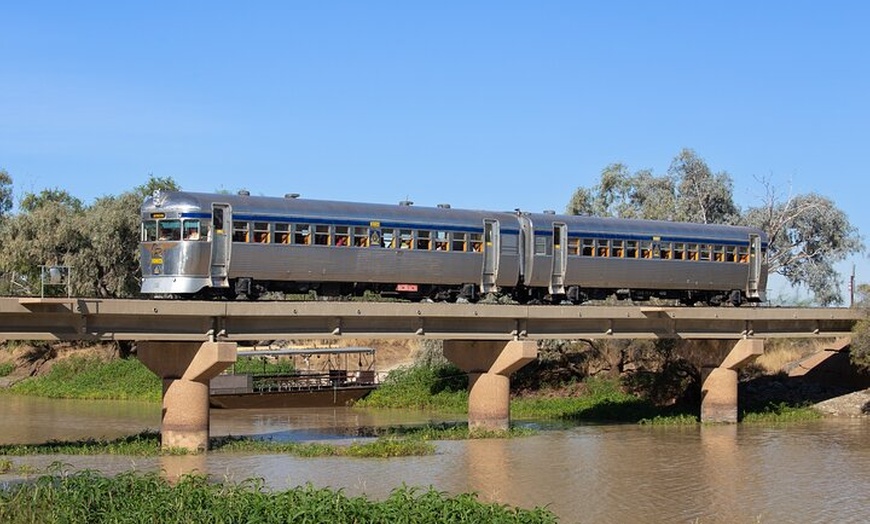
(131, 497)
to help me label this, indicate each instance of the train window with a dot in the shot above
(302, 234)
(476, 240)
(149, 231)
(646, 249)
(541, 245)
(424, 240)
(573, 246)
(218, 219)
(190, 230)
(588, 249)
(743, 254)
(169, 230)
(282, 233)
(342, 236)
(240, 231)
(441, 241)
(692, 251)
(405, 239)
(730, 253)
(389, 238)
(261, 232)
(679, 251)
(704, 252)
(719, 253)
(618, 248)
(602, 248)
(459, 240)
(361, 236)
(665, 250)
(321, 235)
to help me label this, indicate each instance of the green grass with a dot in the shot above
(92, 378)
(442, 388)
(147, 444)
(89, 497)
(6, 368)
(779, 413)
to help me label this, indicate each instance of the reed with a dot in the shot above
(88, 497)
(147, 444)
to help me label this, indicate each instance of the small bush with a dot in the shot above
(860, 352)
(6, 368)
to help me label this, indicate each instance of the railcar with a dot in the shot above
(199, 244)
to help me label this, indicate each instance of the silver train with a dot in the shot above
(242, 246)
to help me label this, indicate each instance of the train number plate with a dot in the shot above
(407, 287)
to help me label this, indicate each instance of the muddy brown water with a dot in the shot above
(804, 472)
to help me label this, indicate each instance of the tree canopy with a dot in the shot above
(5, 193)
(100, 242)
(808, 234)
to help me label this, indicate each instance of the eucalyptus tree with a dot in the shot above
(46, 231)
(108, 265)
(99, 242)
(860, 350)
(5, 193)
(808, 234)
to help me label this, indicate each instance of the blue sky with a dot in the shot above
(492, 105)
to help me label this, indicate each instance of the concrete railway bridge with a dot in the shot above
(187, 343)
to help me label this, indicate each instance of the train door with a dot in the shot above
(491, 252)
(221, 244)
(754, 266)
(560, 259)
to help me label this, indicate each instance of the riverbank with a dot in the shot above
(97, 372)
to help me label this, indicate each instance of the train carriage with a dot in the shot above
(590, 258)
(198, 244)
(246, 245)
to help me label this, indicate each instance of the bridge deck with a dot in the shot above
(161, 320)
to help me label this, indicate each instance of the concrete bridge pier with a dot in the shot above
(719, 381)
(489, 365)
(186, 369)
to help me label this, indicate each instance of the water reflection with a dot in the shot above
(806, 472)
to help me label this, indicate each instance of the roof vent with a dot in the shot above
(549, 212)
(244, 192)
(444, 206)
(406, 203)
(292, 196)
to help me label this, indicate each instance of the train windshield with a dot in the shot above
(149, 231)
(169, 230)
(153, 230)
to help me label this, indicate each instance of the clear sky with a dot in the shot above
(491, 105)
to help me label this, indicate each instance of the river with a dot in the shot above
(799, 472)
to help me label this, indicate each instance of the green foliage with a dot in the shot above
(92, 378)
(442, 387)
(689, 193)
(89, 497)
(262, 365)
(859, 353)
(779, 413)
(6, 368)
(5, 193)
(598, 400)
(99, 242)
(808, 234)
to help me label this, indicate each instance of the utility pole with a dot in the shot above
(852, 288)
